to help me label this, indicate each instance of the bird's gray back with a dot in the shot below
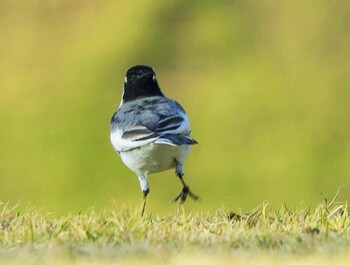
(146, 112)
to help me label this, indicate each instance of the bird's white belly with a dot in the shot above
(153, 158)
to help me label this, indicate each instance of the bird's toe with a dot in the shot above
(183, 195)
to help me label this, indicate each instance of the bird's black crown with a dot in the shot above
(139, 74)
(140, 82)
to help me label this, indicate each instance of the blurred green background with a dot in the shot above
(266, 85)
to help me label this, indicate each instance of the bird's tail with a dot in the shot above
(176, 139)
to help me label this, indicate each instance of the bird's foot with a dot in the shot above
(184, 193)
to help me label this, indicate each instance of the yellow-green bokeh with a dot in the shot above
(266, 85)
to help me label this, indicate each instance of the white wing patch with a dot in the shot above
(127, 140)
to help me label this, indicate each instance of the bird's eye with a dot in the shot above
(154, 77)
(126, 80)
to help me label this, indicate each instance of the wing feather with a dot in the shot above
(171, 127)
(137, 133)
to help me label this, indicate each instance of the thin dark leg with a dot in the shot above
(145, 193)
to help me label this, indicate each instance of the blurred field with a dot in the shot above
(266, 85)
(120, 236)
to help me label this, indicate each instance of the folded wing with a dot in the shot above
(172, 130)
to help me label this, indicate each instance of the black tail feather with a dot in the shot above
(178, 139)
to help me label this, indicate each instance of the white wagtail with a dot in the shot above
(150, 132)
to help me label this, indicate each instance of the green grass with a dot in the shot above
(262, 236)
(271, 75)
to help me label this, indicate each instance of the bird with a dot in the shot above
(151, 132)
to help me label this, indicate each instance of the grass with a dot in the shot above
(261, 236)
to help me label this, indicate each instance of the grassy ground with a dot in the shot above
(262, 236)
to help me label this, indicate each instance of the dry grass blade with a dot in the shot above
(124, 234)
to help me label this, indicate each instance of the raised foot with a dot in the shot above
(183, 195)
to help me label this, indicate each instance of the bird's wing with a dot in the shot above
(124, 140)
(175, 130)
(168, 126)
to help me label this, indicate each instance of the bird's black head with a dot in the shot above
(140, 82)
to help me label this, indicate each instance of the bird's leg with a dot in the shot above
(144, 201)
(186, 189)
(145, 189)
